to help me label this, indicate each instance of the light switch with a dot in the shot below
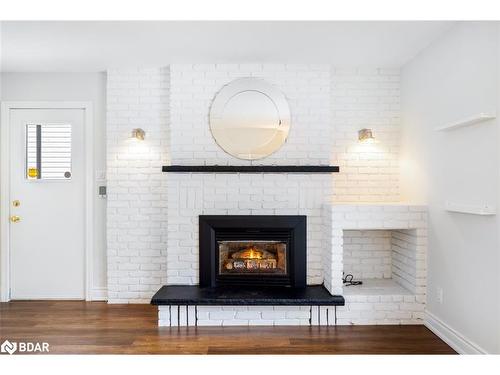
(102, 191)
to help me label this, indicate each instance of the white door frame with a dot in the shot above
(5, 188)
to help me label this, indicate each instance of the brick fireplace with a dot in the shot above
(149, 212)
(153, 228)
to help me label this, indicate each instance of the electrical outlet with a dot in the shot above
(439, 294)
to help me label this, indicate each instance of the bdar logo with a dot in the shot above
(8, 347)
(24, 347)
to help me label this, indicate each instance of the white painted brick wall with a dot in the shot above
(359, 309)
(306, 87)
(381, 309)
(189, 195)
(368, 254)
(136, 203)
(409, 259)
(366, 98)
(150, 212)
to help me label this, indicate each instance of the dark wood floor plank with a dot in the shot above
(76, 327)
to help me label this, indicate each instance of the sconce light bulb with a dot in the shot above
(366, 136)
(138, 134)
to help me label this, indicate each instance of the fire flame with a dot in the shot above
(252, 253)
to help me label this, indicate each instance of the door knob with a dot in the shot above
(15, 219)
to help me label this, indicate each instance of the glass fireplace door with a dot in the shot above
(252, 258)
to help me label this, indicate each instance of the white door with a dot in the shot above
(47, 211)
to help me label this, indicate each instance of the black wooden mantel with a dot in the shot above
(251, 168)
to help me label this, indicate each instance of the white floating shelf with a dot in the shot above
(483, 210)
(468, 121)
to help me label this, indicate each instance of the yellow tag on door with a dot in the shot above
(32, 172)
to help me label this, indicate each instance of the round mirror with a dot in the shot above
(250, 118)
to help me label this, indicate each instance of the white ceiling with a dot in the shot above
(83, 46)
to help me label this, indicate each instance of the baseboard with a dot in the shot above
(99, 294)
(457, 341)
(58, 297)
(96, 294)
(4, 296)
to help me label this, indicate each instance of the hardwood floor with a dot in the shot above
(99, 328)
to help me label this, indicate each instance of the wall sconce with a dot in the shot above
(366, 136)
(138, 134)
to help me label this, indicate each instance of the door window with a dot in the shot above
(48, 152)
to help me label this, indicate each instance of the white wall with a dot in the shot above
(72, 87)
(455, 78)
(1, 59)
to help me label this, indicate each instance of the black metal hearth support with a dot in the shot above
(179, 315)
(319, 315)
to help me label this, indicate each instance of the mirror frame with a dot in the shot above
(240, 85)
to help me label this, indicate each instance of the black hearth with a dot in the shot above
(253, 250)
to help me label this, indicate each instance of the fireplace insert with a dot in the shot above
(253, 250)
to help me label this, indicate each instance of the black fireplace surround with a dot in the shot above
(284, 236)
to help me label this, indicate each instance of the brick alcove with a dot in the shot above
(385, 246)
